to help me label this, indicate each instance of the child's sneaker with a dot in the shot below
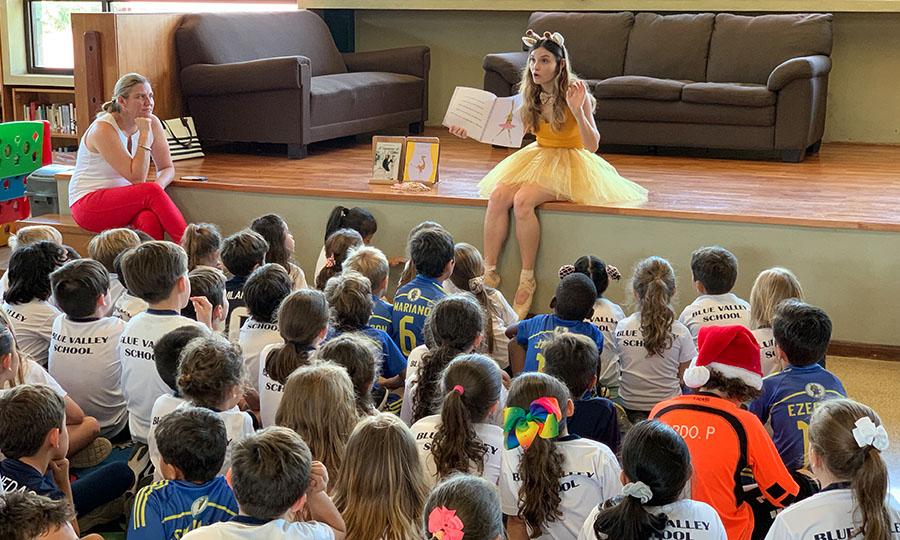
(92, 455)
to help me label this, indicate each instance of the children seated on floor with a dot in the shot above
(209, 283)
(338, 247)
(104, 248)
(714, 272)
(373, 264)
(203, 244)
(242, 253)
(281, 246)
(356, 218)
(771, 287)
(361, 358)
(264, 291)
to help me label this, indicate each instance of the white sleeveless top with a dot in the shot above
(92, 172)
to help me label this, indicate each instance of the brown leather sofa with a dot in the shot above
(279, 78)
(694, 80)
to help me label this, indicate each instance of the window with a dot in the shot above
(49, 31)
(48, 23)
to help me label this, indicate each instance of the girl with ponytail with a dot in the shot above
(203, 244)
(656, 466)
(337, 248)
(456, 324)
(654, 348)
(846, 441)
(461, 438)
(302, 323)
(549, 480)
(465, 505)
(468, 276)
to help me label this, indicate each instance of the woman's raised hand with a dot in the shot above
(458, 131)
(575, 95)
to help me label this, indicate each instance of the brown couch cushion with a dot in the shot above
(351, 96)
(740, 95)
(747, 49)
(669, 47)
(214, 38)
(596, 41)
(630, 86)
(643, 110)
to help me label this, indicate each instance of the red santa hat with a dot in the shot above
(730, 350)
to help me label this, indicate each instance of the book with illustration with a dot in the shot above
(486, 117)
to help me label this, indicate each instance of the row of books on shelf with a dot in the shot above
(60, 115)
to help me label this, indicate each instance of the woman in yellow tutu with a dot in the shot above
(560, 166)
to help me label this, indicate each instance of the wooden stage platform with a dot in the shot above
(845, 186)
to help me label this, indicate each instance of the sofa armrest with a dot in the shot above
(415, 61)
(280, 73)
(803, 67)
(507, 65)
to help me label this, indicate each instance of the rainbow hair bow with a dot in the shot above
(520, 427)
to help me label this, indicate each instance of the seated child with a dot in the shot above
(572, 304)
(550, 480)
(104, 248)
(657, 466)
(366, 483)
(34, 441)
(361, 357)
(157, 273)
(264, 291)
(431, 251)
(372, 263)
(127, 305)
(654, 348)
(802, 333)
(25, 515)
(409, 268)
(714, 271)
(572, 358)
(209, 283)
(473, 504)
(722, 436)
(211, 375)
(166, 355)
(242, 252)
(605, 317)
(192, 444)
(770, 288)
(27, 236)
(203, 244)
(338, 247)
(275, 482)
(455, 325)
(350, 297)
(847, 441)
(83, 357)
(27, 300)
(303, 323)
(319, 404)
(357, 218)
(281, 246)
(461, 438)
(468, 277)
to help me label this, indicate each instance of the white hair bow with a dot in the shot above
(531, 37)
(867, 433)
(638, 490)
(476, 284)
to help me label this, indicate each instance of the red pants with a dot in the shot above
(141, 206)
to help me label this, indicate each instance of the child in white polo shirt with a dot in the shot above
(26, 302)
(104, 248)
(156, 272)
(264, 291)
(127, 305)
(715, 271)
(83, 357)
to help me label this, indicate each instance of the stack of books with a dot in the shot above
(60, 115)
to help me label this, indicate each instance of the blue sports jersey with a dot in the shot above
(392, 360)
(534, 333)
(787, 403)
(167, 510)
(381, 316)
(412, 304)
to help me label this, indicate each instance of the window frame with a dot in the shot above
(30, 67)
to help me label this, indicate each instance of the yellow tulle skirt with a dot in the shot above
(570, 174)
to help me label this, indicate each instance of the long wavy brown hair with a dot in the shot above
(531, 93)
(654, 285)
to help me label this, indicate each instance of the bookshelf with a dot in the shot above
(55, 104)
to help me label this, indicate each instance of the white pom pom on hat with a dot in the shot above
(730, 350)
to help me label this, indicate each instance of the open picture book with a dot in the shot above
(486, 117)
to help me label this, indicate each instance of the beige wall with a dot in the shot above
(862, 103)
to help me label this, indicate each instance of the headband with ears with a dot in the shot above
(531, 38)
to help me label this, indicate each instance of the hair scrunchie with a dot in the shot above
(444, 524)
(521, 427)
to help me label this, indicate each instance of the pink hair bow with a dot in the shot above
(443, 524)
